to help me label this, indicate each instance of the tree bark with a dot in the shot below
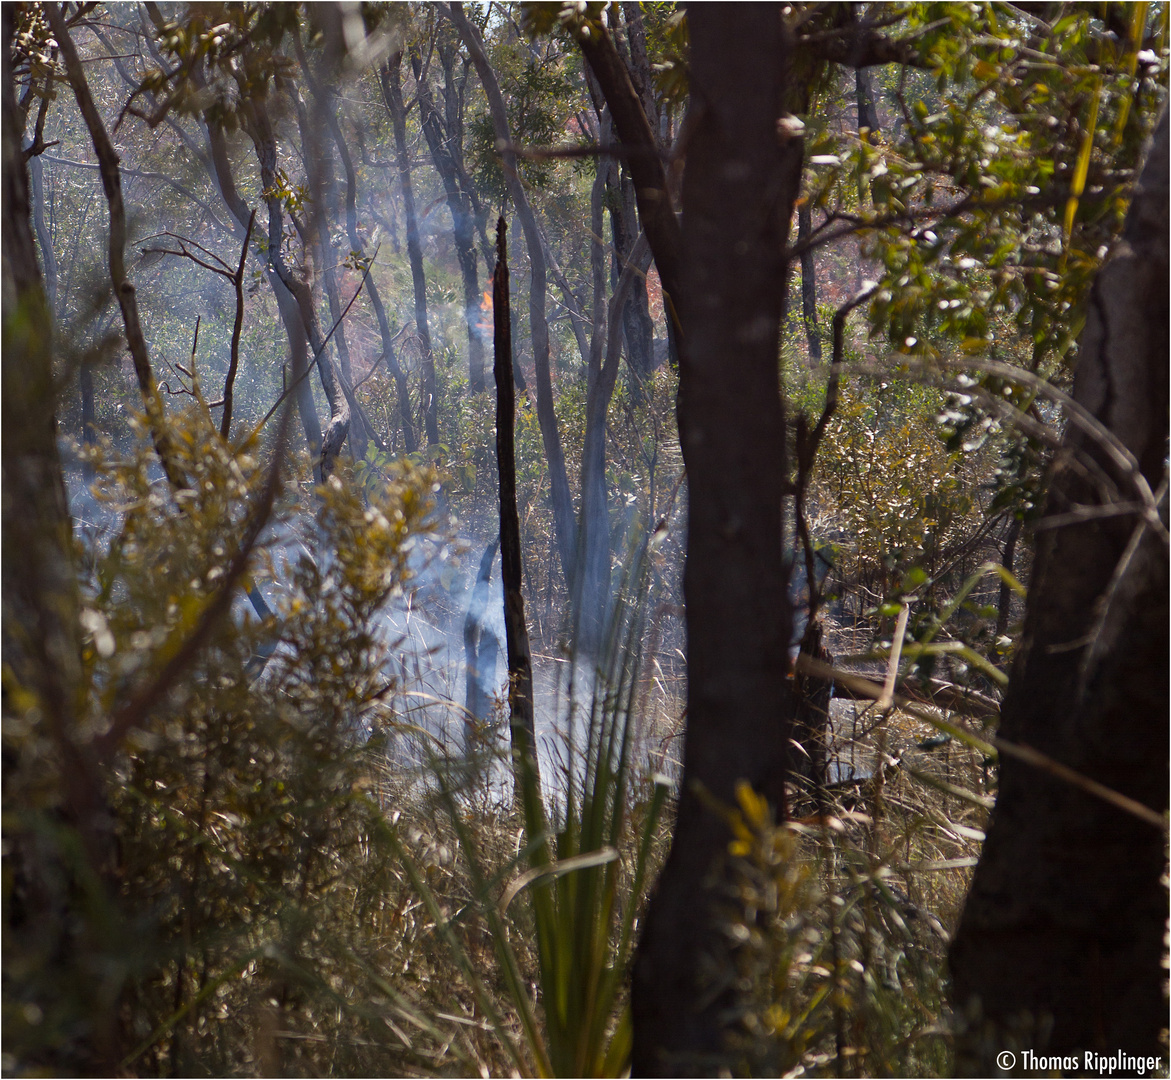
(808, 285)
(392, 89)
(1060, 945)
(259, 128)
(480, 650)
(655, 212)
(637, 327)
(321, 180)
(1008, 561)
(739, 189)
(867, 109)
(522, 724)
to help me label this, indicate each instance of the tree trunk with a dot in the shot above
(563, 517)
(808, 285)
(41, 630)
(867, 110)
(1060, 946)
(259, 128)
(739, 189)
(522, 724)
(462, 224)
(123, 287)
(637, 328)
(321, 179)
(1007, 560)
(392, 88)
(479, 649)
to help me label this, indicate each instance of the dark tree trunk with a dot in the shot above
(739, 189)
(522, 724)
(1060, 946)
(41, 633)
(640, 64)
(637, 328)
(808, 284)
(392, 88)
(867, 109)
(123, 287)
(807, 746)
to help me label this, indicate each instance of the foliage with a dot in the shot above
(830, 957)
(251, 905)
(290, 891)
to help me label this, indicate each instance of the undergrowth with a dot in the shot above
(283, 895)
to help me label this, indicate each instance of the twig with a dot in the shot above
(237, 327)
(886, 700)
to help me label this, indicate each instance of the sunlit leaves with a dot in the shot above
(1004, 178)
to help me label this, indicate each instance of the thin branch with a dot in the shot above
(317, 352)
(140, 174)
(237, 328)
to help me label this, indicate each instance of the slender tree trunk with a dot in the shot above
(739, 189)
(864, 95)
(520, 663)
(637, 327)
(259, 128)
(808, 285)
(123, 287)
(479, 648)
(1008, 560)
(221, 174)
(588, 597)
(1060, 947)
(594, 575)
(868, 130)
(392, 89)
(563, 516)
(461, 221)
(321, 179)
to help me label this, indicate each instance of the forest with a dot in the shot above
(585, 539)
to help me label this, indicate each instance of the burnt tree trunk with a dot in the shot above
(522, 724)
(1063, 929)
(739, 188)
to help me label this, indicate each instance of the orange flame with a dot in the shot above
(484, 326)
